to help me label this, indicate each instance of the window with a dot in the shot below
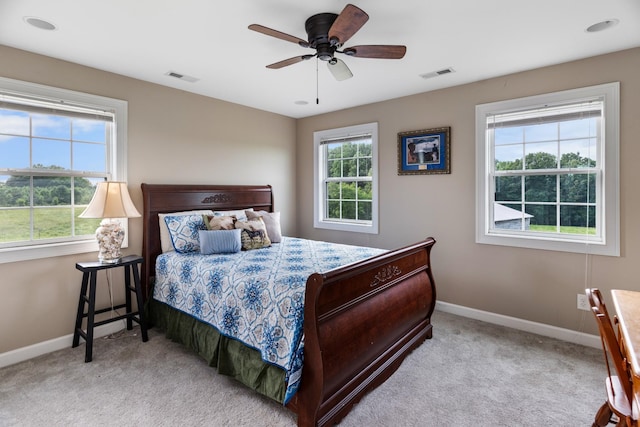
(55, 146)
(547, 171)
(346, 186)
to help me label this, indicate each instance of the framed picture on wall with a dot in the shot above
(423, 152)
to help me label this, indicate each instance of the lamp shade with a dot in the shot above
(111, 200)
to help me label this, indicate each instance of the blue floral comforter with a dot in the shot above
(254, 296)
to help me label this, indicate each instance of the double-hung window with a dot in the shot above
(547, 171)
(55, 146)
(346, 186)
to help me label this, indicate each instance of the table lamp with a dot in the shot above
(111, 200)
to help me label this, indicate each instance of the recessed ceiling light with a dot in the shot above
(301, 102)
(39, 23)
(604, 25)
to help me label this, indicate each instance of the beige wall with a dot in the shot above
(178, 137)
(174, 137)
(535, 285)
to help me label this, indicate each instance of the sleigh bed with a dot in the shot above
(360, 320)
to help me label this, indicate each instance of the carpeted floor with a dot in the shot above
(470, 374)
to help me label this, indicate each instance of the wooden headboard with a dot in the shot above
(161, 198)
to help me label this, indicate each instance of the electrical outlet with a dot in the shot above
(583, 302)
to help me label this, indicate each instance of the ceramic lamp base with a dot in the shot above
(110, 235)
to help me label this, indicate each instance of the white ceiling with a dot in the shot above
(209, 40)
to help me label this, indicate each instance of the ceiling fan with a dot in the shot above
(327, 33)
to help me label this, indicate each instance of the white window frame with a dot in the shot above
(608, 185)
(117, 158)
(320, 174)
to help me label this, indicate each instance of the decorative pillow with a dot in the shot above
(239, 213)
(254, 234)
(220, 241)
(271, 221)
(183, 230)
(219, 222)
(165, 238)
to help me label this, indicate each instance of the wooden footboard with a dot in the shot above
(360, 323)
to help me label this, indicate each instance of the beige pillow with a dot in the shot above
(254, 234)
(219, 222)
(165, 237)
(271, 221)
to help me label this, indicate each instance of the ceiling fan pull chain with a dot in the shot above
(317, 84)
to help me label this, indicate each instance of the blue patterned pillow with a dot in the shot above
(220, 241)
(183, 230)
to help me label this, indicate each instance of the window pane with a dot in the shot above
(15, 191)
(579, 153)
(51, 222)
(333, 190)
(510, 217)
(334, 151)
(14, 152)
(14, 122)
(365, 191)
(84, 226)
(541, 132)
(508, 189)
(541, 156)
(349, 210)
(333, 209)
(14, 225)
(578, 188)
(52, 154)
(49, 126)
(509, 157)
(348, 190)
(364, 211)
(578, 219)
(543, 217)
(89, 130)
(540, 188)
(350, 167)
(582, 128)
(508, 135)
(364, 167)
(89, 157)
(52, 191)
(334, 168)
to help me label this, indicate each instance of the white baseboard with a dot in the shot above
(35, 350)
(25, 353)
(521, 324)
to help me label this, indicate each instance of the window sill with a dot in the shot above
(27, 253)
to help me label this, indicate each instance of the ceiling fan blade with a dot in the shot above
(376, 51)
(278, 34)
(289, 61)
(339, 69)
(350, 20)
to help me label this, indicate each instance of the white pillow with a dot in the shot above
(239, 213)
(165, 237)
(272, 222)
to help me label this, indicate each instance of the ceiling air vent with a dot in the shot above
(181, 76)
(437, 73)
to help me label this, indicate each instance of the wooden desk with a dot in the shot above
(627, 304)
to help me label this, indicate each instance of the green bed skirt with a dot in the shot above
(230, 357)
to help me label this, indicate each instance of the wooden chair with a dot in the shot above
(619, 389)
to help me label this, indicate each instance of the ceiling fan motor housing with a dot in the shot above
(317, 28)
